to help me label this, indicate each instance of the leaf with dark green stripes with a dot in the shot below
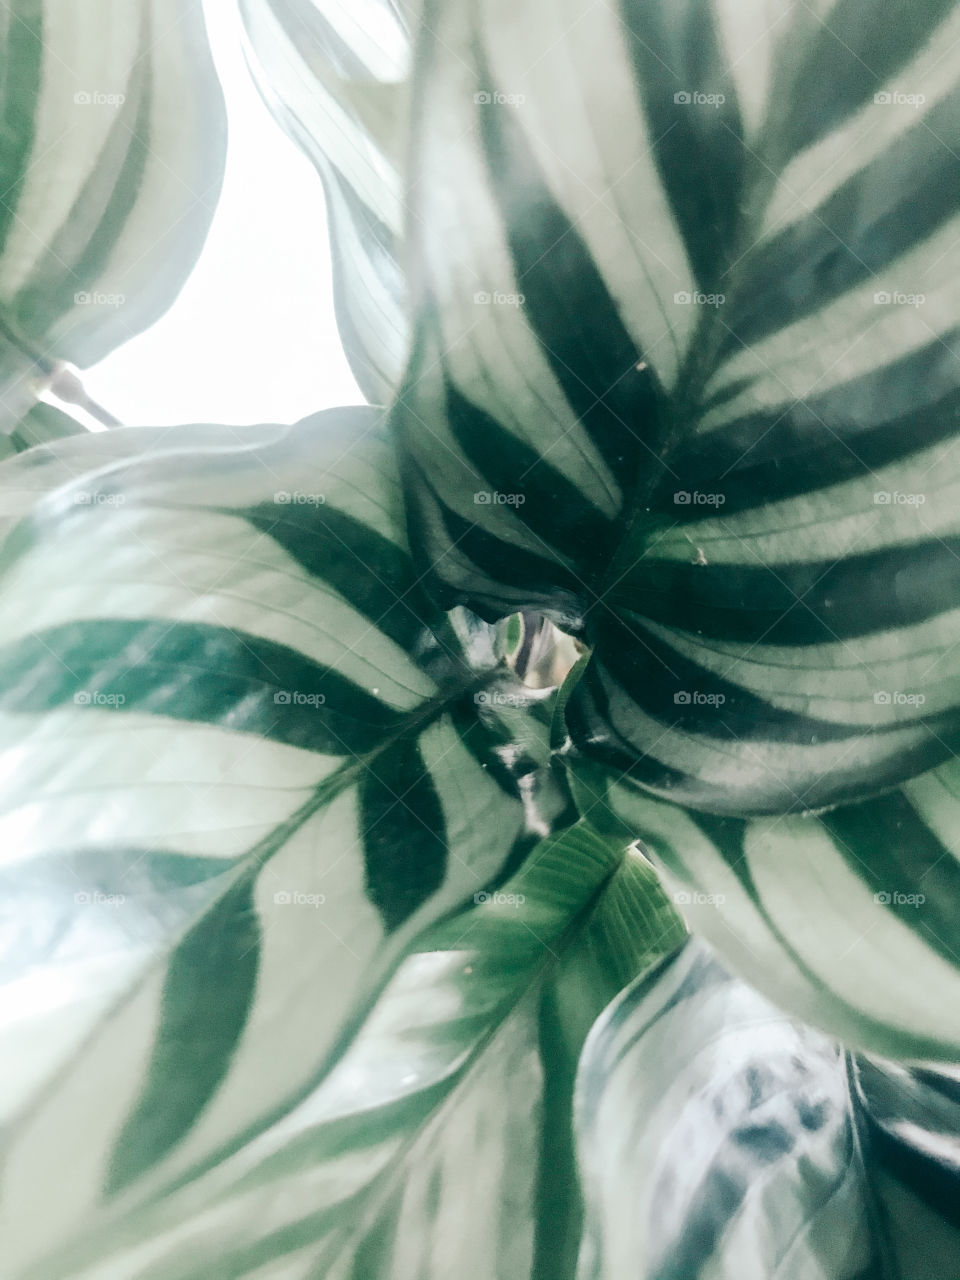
(245, 760)
(440, 1144)
(685, 374)
(719, 1139)
(111, 157)
(313, 882)
(335, 75)
(848, 919)
(40, 425)
(208, 988)
(29, 476)
(910, 1124)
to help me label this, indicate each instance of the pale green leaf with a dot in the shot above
(245, 761)
(432, 1147)
(719, 1140)
(685, 374)
(335, 74)
(111, 156)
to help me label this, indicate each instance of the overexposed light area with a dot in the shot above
(252, 337)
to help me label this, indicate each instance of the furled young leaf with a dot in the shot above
(720, 1140)
(848, 919)
(685, 374)
(112, 139)
(430, 1149)
(334, 73)
(632, 928)
(244, 760)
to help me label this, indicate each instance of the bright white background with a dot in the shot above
(252, 337)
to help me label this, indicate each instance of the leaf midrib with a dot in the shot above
(249, 865)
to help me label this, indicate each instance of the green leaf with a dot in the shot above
(685, 375)
(208, 996)
(910, 1121)
(429, 1149)
(846, 919)
(245, 761)
(632, 928)
(43, 424)
(719, 1139)
(511, 634)
(335, 75)
(111, 158)
(29, 477)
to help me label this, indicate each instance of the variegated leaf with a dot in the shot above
(848, 919)
(39, 426)
(245, 760)
(111, 156)
(435, 1145)
(335, 74)
(721, 1141)
(686, 370)
(910, 1123)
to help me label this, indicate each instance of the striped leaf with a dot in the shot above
(112, 139)
(245, 761)
(334, 73)
(430, 1149)
(39, 425)
(685, 374)
(847, 919)
(719, 1139)
(28, 478)
(910, 1123)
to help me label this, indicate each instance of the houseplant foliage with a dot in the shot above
(342, 936)
(112, 155)
(702, 403)
(337, 76)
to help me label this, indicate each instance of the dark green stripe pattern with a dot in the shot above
(719, 1138)
(422, 1154)
(685, 377)
(246, 760)
(848, 919)
(111, 161)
